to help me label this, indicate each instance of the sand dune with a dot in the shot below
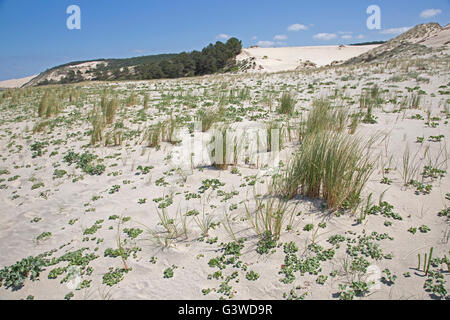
(289, 58)
(142, 206)
(16, 83)
(267, 60)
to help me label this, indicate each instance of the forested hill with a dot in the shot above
(218, 57)
(213, 58)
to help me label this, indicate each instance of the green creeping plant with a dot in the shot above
(321, 279)
(94, 228)
(43, 236)
(169, 272)
(114, 276)
(14, 276)
(114, 189)
(424, 229)
(69, 296)
(389, 279)
(266, 243)
(133, 232)
(210, 183)
(85, 162)
(385, 209)
(252, 276)
(412, 230)
(436, 138)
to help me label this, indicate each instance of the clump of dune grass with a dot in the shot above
(410, 167)
(324, 117)
(114, 137)
(330, 165)
(49, 105)
(41, 125)
(267, 100)
(370, 99)
(244, 94)
(153, 135)
(74, 95)
(210, 116)
(43, 105)
(368, 117)
(222, 99)
(132, 99)
(204, 223)
(172, 229)
(270, 215)
(163, 131)
(117, 137)
(169, 130)
(98, 125)
(287, 104)
(146, 101)
(353, 123)
(109, 108)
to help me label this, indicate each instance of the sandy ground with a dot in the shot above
(78, 209)
(289, 58)
(15, 83)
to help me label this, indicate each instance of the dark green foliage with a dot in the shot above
(385, 209)
(213, 58)
(69, 296)
(435, 283)
(133, 232)
(43, 236)
(266, 243)
(59, 173)
(114, 276)
(85, 162)
(37, 148)
(252, 276)
(210, 183)
(169, 272)
(14, 276)
(233, 248)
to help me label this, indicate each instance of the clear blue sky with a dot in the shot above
(34, 36)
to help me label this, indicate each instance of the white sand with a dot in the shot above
(289, 58)
(62, 200)
(67, 200)
(16, 83)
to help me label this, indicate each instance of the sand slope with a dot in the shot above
(16, 83)
(289, 58)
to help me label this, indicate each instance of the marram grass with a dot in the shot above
(330, 165)
(287, 104)
(323, 117)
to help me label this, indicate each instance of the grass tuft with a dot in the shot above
(287, 104)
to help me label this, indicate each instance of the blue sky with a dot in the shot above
(34, 36)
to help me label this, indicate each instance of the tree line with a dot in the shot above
(218, 57)
(213, 58)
